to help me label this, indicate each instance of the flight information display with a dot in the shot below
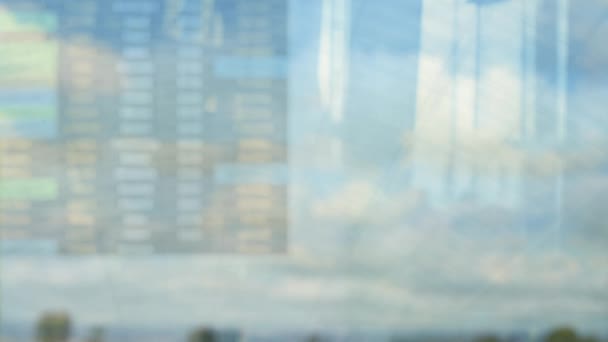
(143, 126)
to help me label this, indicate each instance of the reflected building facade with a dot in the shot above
(493, 109)
(367, 73)
(587, 134)
(547, 124)
(333, 67)
(29, 98)
(468, 125)
(166, 122)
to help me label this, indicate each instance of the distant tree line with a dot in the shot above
(560, 334)
(58, 327)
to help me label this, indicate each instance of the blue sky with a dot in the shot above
(367, 248)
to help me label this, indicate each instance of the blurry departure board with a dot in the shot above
(143, 126)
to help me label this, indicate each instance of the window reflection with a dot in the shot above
(290, 170)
